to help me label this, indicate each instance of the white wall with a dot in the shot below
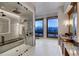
(77, 23)
(14, 19)
(45, 22)
(62, 17)
(31, 7)
(45, 27)
(15, 31)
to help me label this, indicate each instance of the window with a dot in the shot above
(39, 28)
(52, 27)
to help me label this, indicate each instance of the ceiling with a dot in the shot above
(14, 7)
(44, 9)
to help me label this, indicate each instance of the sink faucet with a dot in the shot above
(2, 37)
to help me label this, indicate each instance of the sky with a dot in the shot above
(51, 23)
(39, 23)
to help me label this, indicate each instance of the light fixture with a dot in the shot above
(68, 8)
(22, 5)
(66, 22)
(18, 3)
(71, 22)
(17, 28)
(16, 11)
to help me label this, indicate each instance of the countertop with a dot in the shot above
(10, 41)
(71, 48)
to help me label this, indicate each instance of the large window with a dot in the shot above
(52, 28)
(39, 28)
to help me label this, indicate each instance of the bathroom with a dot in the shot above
(16, 25)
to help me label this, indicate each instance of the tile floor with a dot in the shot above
(44, 47)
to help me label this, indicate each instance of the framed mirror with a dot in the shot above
(73, 19)
(4, 25)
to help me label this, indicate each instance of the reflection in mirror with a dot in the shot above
(4, 25)
(73, 21)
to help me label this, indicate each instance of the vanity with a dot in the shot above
(68, 47)
(70, 43)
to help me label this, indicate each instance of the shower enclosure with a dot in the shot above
(16, 25)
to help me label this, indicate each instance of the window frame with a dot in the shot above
(38, 19)
(47, 24)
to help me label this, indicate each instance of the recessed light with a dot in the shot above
(18, 3)
(26, 8)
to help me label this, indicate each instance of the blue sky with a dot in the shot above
(39, 23)
(51, 23)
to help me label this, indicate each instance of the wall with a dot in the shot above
(77, 22)
(15, 29)
(75, 38)
(45, 23)
(45, 28)
(31, 7)
(14, 19)
(62, 18)
(14, 22)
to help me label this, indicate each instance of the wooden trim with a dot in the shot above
(72, 11)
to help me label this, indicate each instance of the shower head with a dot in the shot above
(16, 11)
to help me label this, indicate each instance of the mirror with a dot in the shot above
(4, 25)
(73, 21)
